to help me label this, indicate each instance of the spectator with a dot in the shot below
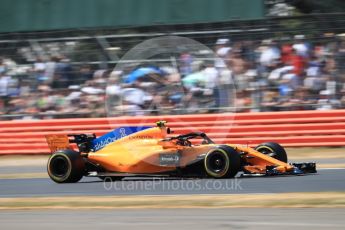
(113, 92)
(300, 47)
(212, 82)
(269, 54)
(238, 67)
(91, 87)
(298, 63)
(186, 61)
(4, 84)
(84, 74)
(242, 101)
(50, 70)
(267, 77)
(39, 70)
(326, 102)
(287, 52)
(300, 100)
(63, 73)
(222, 50)
(271, 100)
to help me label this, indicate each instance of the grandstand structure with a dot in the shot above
(98, 36)
(41, 27)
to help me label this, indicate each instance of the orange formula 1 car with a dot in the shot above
(150, 151)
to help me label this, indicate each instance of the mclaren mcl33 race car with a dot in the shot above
(152, 151)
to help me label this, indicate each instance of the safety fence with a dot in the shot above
(291, 129)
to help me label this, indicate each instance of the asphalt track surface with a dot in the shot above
(324, 180)
(144, 219)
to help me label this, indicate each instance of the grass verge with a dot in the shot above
(316, 153)
(288, 200)
(23, 175)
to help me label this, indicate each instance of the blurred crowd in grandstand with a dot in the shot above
(268, 76)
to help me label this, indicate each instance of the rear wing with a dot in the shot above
(57, 142)
(62, 141)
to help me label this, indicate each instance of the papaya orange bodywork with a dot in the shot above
(139, 153)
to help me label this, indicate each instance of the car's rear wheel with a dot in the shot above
(66, 166)
(222, 162)
(274, 150)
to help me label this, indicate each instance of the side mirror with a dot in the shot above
(161, 124)
(169, 131)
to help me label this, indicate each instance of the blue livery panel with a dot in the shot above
(114, 135)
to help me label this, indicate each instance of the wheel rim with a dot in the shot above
(59, 166)
(217, 163)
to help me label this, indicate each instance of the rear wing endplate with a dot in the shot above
(57, 142)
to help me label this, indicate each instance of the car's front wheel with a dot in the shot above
(222, 162)
(274, 150)
(66, 166)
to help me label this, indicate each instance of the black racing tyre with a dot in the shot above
(110, 178)
(274, 150)
(66, 166)
(222, 162)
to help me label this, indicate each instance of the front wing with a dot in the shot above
(298, 169)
